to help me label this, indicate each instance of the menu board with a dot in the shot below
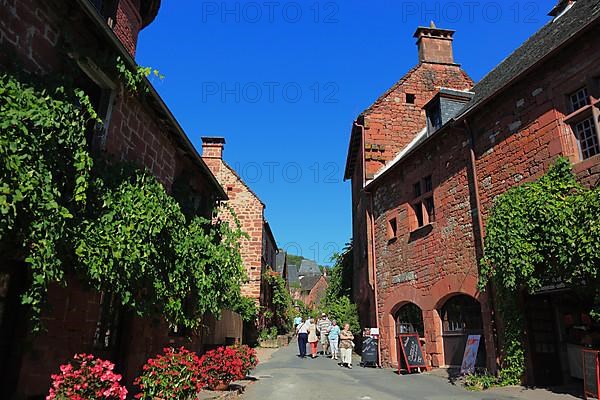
(369, 350)
(411, 350)
(590, 373)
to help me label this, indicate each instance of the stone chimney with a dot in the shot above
(435, 45)
(212, 147)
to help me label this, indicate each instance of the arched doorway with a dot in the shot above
(461, 317)
(409, 319)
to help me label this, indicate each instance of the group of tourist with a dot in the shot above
(335, 342)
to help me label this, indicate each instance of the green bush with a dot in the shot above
(480, 381)
(268, 333)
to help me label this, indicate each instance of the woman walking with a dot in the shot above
(334, 337)
(346, 346)
(313, 339)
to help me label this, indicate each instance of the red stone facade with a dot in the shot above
(377, 136)
(317, 293)
(260, 249)
(33, 34)
(512, 137)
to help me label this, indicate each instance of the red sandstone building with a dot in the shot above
(260, 249)
(426, 161)
(43, 37)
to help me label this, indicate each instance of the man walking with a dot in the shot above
(323, 326)
(302, 331)
(297, 321)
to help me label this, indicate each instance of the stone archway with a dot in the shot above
(460, 316)
(408, 318)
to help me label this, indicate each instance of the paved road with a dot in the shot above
(287, 377)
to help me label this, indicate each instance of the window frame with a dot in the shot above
(577, 116)
(421, 214)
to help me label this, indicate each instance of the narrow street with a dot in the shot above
(287, 377)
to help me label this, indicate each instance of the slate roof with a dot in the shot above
(292, 274)
(549, 38)
(308, 282)
(280, 261)
(309, 267)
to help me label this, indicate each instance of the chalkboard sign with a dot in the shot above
(590, 373)
(412, 353)
(369, 350)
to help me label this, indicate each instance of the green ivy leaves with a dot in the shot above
(543, 232)
(138, 243)
(115, 226)
(44, 173)
(539, 233)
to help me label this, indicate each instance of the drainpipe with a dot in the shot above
(480, 237)
(475, 182)
(371, 222)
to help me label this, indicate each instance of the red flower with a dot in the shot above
(87, 378)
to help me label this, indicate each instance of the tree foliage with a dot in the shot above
(539, 233)
(340, 278)
(338, 298)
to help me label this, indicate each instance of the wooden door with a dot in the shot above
(543, 341)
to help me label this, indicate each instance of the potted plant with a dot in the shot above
(220, 367)
(248, 357)
(173, 375)
(87, 378)
(268, 338)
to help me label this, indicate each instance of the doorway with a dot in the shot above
(461, 317)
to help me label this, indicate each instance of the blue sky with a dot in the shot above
(282, 81)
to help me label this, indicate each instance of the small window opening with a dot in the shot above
(392, 230)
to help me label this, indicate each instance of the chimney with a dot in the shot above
(212, 147)
(560, 8)
(435, 45)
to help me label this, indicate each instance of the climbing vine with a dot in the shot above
(137, 242)
(281, 300)
(539, 233)
(134, 80)
(113, 225)
(44, 175)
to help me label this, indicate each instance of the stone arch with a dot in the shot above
(400, 297)
(459, 315)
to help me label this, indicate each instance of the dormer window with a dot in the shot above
(434, 116)
(444, 106)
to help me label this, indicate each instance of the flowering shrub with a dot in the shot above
(174, 375)
(86, 378)
(248, 357)
(221, 366)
